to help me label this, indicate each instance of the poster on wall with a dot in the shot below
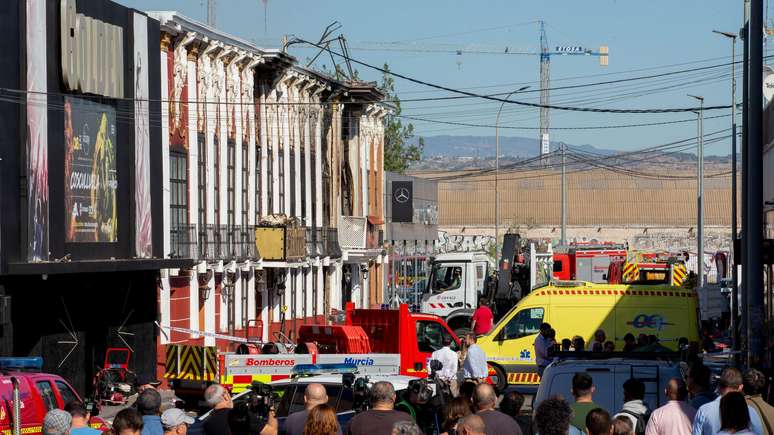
(142, 197)
(37, 133)
(90, 172)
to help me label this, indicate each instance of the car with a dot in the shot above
(609, 376)
(290, 393)
(38, 392)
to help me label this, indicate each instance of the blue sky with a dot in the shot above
(648, 35)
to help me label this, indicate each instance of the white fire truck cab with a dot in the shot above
(457, 280)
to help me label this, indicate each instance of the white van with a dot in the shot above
(609, 376)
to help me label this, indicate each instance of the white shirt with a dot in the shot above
(475, 363)
(448, 358)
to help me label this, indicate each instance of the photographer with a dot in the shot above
(314, 395)
(219, 399)
(378, 420)
(416, 403)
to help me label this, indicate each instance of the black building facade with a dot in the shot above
(80, 184)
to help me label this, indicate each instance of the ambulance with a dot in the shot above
(580, 308)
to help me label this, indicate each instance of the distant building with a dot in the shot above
(411, 229)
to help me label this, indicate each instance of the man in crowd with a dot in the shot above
(707, 420)
(149, 407)
(380, 419)
(80, 419)
(699, 385)
(475, 361)
(413, 402)
(496, 422)
(219, 400)
(598, 422)
(175, 421)
(510, 405)
(542, 344)
(314, 395)
(599, 341)
(583, 392)
(754, 383)
(472, 425)
(57, 422)
(127, 422)
(676, 416)
(450, 364)
(552, 417)
(483, 318)
(634, 408)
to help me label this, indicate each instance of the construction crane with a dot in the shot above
(211, 6)
(545, 78)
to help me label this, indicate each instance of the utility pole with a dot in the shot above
(734, 235)
(497, 170)
(744, 326)
(564, 195)
(700, 193)
(754, 219)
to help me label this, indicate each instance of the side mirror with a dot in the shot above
(500, 335)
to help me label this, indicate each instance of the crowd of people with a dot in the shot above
(690, 407)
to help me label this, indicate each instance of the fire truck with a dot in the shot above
(376, 341)
(649, 268)
(586, 261)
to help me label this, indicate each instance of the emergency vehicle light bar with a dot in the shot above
(21, 363)
(323, 369)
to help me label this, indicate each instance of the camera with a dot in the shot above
(261, 399)
(250, 416)
(361, 395)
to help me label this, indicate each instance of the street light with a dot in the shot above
(700, 193)
(734, 288)
(497, 171)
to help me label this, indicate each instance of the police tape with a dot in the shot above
(202, 333)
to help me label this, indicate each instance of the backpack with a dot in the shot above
(642, 421)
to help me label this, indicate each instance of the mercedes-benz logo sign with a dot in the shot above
(402, 195)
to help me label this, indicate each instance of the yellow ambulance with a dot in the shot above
(580, 308)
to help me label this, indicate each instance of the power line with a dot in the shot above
(516, 102)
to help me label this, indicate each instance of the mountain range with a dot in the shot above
(484, 146)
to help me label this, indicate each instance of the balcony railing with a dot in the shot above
(352, 232)
(213, 242)
(182, 241)
(332, 248)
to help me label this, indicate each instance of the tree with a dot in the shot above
(399, 153)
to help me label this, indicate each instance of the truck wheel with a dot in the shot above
(499, 379)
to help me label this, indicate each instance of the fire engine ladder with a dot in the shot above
(650, 375)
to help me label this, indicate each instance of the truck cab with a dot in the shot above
(456, 281)
(411, 335)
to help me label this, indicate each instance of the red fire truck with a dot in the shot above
(377, 341)
(589, 262)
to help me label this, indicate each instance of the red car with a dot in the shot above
(38, 393)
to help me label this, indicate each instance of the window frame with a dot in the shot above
(522, 331)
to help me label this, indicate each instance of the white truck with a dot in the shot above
(458, 279)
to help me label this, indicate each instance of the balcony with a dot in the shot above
(213, 242)
(182, 242)
(280, 243)
(352, 232)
